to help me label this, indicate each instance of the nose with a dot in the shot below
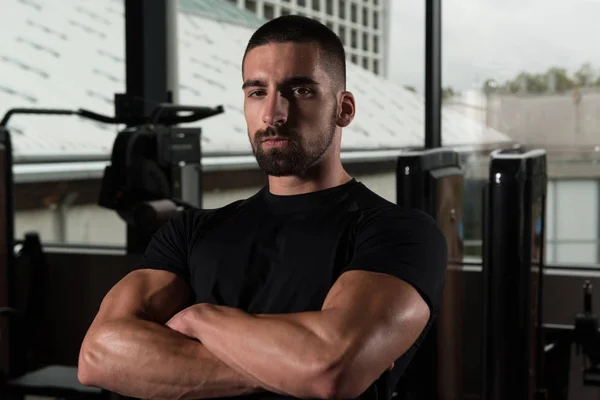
(275, 110)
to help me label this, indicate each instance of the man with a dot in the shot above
(315, 287)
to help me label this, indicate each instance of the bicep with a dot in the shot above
(154, 295)
(384, 314)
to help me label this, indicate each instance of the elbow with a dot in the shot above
(331, 389)
(89, 371)
(333, 381)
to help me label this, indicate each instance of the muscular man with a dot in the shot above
(315, 287)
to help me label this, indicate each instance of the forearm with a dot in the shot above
(281, 352)
(143, 359)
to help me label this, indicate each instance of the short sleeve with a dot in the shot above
(168, 248)
(406, 244)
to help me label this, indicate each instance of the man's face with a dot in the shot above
(290, 107)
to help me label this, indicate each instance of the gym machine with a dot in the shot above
(432, 181)
(155, 169)
(559, 341)
(513, 261)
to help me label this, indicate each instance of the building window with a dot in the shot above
(301, 14)
(353, 12)
(354, 59)
(269, 11)
(343, 35)
(365, 41)
(316, 5)
(302, 3)
(329, 7)
(285, 11)
(376, 44)
(233, 2)
(353, 39)
(342, 9)
(329, 25)
(365, 62)
(376, 66)
(375, 20)
(251, 5)
(365, 16)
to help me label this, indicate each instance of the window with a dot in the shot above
(376, 66)
(316, 5)
(354, 59)
(342, 9)
(343, 34)
(375, 19)
(353, 39)
(375, 44)
(285, 11)
(251, 5)
(353, 12)
(268, 11)
(365, 37)
(329, 25)
(365, 62)
(365, 16)
(302, 3)
(329, 7)
(541, 102)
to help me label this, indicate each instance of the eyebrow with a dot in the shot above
(294, 80)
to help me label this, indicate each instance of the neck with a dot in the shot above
(325, 175)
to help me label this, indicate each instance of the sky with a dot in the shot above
(494, 39)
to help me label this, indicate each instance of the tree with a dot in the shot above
(585, 75)
(560, 78)
(448, 92)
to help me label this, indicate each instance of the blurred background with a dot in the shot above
(513, 72)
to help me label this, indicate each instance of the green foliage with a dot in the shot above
(555, 79)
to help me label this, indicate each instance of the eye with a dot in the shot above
(256, 93)
(302, 91)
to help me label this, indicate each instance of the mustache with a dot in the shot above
(262, 134)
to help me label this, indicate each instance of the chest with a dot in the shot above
(271, 264)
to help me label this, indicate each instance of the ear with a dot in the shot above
(346, 109)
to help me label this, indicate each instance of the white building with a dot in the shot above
(362, 25)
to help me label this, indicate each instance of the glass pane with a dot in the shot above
(269, 11)
(342, 9)
(529, 78)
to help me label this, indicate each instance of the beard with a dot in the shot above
(298, 156)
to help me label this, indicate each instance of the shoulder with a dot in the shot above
(375, 212)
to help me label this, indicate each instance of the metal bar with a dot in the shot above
(433, 74)
(146, 54)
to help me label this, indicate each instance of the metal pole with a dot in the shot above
(433, 74)
(146, 54)
(172, 51)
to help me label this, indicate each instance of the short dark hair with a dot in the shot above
(298, 29)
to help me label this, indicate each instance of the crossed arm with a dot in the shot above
(367, 321)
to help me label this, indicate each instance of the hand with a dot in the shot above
(183, 321)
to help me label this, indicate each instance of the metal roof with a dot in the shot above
(70, 54)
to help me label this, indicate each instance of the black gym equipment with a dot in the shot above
(155, 168)
(584, 334)
(513, 264)
(432, 181)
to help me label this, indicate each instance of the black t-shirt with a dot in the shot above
(281, 254)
